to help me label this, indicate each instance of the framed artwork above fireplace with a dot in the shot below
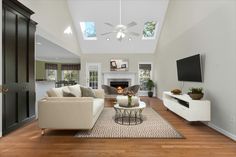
(118, 65)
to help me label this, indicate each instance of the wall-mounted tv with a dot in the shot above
(189, 69)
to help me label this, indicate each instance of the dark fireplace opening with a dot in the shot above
(122, 84)
(119, 85)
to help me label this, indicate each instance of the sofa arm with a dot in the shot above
(99, 93)
(65, 113)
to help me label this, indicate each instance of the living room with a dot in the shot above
(120, 53)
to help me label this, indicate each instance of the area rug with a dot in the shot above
(153, 126)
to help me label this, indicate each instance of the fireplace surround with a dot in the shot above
(124, 77)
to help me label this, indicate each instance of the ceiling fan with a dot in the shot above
(120, 29)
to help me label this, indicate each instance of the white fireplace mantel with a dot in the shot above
(119, 75)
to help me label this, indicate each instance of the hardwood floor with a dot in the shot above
(200, 141)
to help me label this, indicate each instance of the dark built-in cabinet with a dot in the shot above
(18, 46)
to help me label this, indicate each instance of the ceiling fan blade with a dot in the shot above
(131, 24)
(109, 24)
(106, 33)
(134, 33)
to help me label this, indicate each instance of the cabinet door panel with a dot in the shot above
(22, 50)
(18, 68)
(10, 48)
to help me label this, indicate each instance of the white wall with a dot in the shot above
(53, 18)
(104, 59)
(1, 67)
(209, 28)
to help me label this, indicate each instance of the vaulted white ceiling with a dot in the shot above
(101, 11)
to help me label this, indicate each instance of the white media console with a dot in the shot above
(184, 106)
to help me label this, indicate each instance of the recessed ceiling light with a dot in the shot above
(38, 43)
(130, 39)
(108, 39)
(68, 30)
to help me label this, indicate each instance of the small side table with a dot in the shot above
(129, 115)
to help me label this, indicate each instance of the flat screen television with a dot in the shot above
(189, 69)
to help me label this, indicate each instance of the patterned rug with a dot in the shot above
(153, 126)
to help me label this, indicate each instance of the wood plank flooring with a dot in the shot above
(200, 141)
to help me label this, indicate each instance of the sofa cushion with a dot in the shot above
(87, 92)
(68, 94)
(75, 89)
(65, 89)
(55, 92)
(97, 105)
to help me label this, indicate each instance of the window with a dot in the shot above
(70, 72)
(93, 79)
(145, 73)
(51, 74)
(88, 30)
(93, 75)
(51, 71)
(149, 31)
(70, 75)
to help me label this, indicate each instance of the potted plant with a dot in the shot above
(196, 93)
(150, 85)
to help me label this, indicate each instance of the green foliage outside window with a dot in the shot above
(144, 76)
(51, 75)
(70, 75)
(149, 29)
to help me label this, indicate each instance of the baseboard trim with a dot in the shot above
(224, 132)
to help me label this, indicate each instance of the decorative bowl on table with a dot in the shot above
(196, 96)
(176, 91)
(196, 93)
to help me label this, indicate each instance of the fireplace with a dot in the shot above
(119, 76)
(122, 84)
(119, 84)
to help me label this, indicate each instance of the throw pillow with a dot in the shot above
(55, 92)
(75, 90)
(87, 92)
(68, 94)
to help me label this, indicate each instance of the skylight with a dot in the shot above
(149, 30)
(88, 30)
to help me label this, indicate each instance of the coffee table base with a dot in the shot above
(128, 117)
(128, 120)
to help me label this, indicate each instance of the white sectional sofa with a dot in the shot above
(58, 112)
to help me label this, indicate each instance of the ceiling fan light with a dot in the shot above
(120, 35)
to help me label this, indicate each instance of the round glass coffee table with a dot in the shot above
(129, 115)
